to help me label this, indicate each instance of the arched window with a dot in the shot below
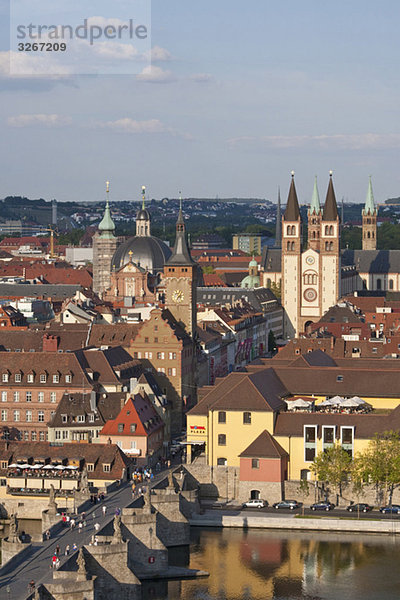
(293, 230)
(292, 248)
(326, 230)
(254, 494)
(288, 245)
(268, 283)
(368, 234)
(288, 230)
(313, 235)
(326, 245)
(391, 284)
(379, 284)
(331, 246)
(331, 230)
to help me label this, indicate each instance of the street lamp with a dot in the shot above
(8, 590)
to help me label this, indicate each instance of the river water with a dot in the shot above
(259, 565)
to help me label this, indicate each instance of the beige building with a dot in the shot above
(248, 242)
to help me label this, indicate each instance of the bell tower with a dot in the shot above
(291, 262)
(369, 217)
(314, 220)
(330, 251)
(104, 246)
(180, 277)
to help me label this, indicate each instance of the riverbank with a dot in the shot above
(296, 522)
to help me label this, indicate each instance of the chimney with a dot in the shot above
(93, 406)
(50, 343)
(332, 343)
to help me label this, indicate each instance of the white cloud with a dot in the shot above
(201, 77)
(158, 54)
(39, 119)
(128, 125)
(17, 64)
(115, 50)
(153, 74)
(361, 141)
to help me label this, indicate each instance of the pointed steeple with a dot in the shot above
(330, 209)
(106, 225)
(180, 254)
(369, 207)
(143, 218)
(292, 212)
(278, 227)
(315, 206)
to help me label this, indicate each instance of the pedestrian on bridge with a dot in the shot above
(104, 509)
(67, 550)
(80, 526)
(47, 534)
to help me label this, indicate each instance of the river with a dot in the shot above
(261, 565)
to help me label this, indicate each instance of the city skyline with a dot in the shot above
(237, 97)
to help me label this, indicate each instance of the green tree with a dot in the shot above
(271, 341)
(379, 464)
(276, 288)
(208, 269)
(332, 466)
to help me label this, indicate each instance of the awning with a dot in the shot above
(197, 443)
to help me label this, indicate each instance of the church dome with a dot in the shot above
(250, 281)
(143, 215)
(147, 251)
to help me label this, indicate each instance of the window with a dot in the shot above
(41, 416)
(65, 435)
(133, 445)
(90, 467)
(68, 378)
(58, 435)
(56, 378)
(339, 378)
(53, 397)
(106, 468)
(310, 442)
(133, 427)
(148, 355)
(26, 436)
(43, 378)
(4, 464)
(30, 378)
(16, 396)
(255, 463)
(28, 416)
(222, 416)
(42, 436)
(33, 436)
(80, 418)
(120, 427)
(347, 439)
(4, 415)
(64, 418)
(222, 439)
(247, 418)
(146, 340)
(16, 416)
(222, 462)
(328, 436)
(91, 418)
(156, 340)
(4, 377)
(40, 396)
(173, 372)
(4, 396)
(172, 355)
(18, 377)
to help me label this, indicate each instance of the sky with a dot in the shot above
(238, 94)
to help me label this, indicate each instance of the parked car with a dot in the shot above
(391, 509)
(322, 506)
(291, 504)
(255, 504)
(360, 507)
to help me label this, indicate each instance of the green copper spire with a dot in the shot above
(106, 225)
(369, 207)
(315, 206)
(143, 196)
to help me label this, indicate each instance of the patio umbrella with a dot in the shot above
(358, 400)
(26, 466)
(59, 467)
(37, 466)
(13, 466)
(326, 402)
(337, 400)
(300, 403)
(48, 467)
(71, 467)
(350, 403)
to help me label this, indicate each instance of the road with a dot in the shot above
(38, 567)
(335, 513)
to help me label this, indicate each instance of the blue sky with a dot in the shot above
(240, 93)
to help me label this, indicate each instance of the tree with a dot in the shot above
(379, 464)
(271, 341)
(276, 289)
(332, 466)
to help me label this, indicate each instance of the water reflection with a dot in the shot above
(258, 565)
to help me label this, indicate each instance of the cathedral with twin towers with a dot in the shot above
(315, 274)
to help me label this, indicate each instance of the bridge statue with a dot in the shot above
(117, 537)
(13, 530)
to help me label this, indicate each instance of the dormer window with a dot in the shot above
(43, 378)
(90, 467)
(106, 467)
(81, 418)
(18, 377)
(68, 378)
(5, 377)
(64, 418)
(56, 378)
(120, 427)
(133, 427)
(91, 418)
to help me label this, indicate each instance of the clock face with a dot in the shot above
(310, 295)
(310, 260)
(177, 296)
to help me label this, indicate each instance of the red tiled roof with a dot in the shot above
(139, 412)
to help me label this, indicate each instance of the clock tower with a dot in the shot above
(180, 278)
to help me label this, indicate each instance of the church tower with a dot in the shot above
(291, 262)
(369, 217)
(143, 218)
(180, 277)
(314, 220)
(104, 246)
(330, 251)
